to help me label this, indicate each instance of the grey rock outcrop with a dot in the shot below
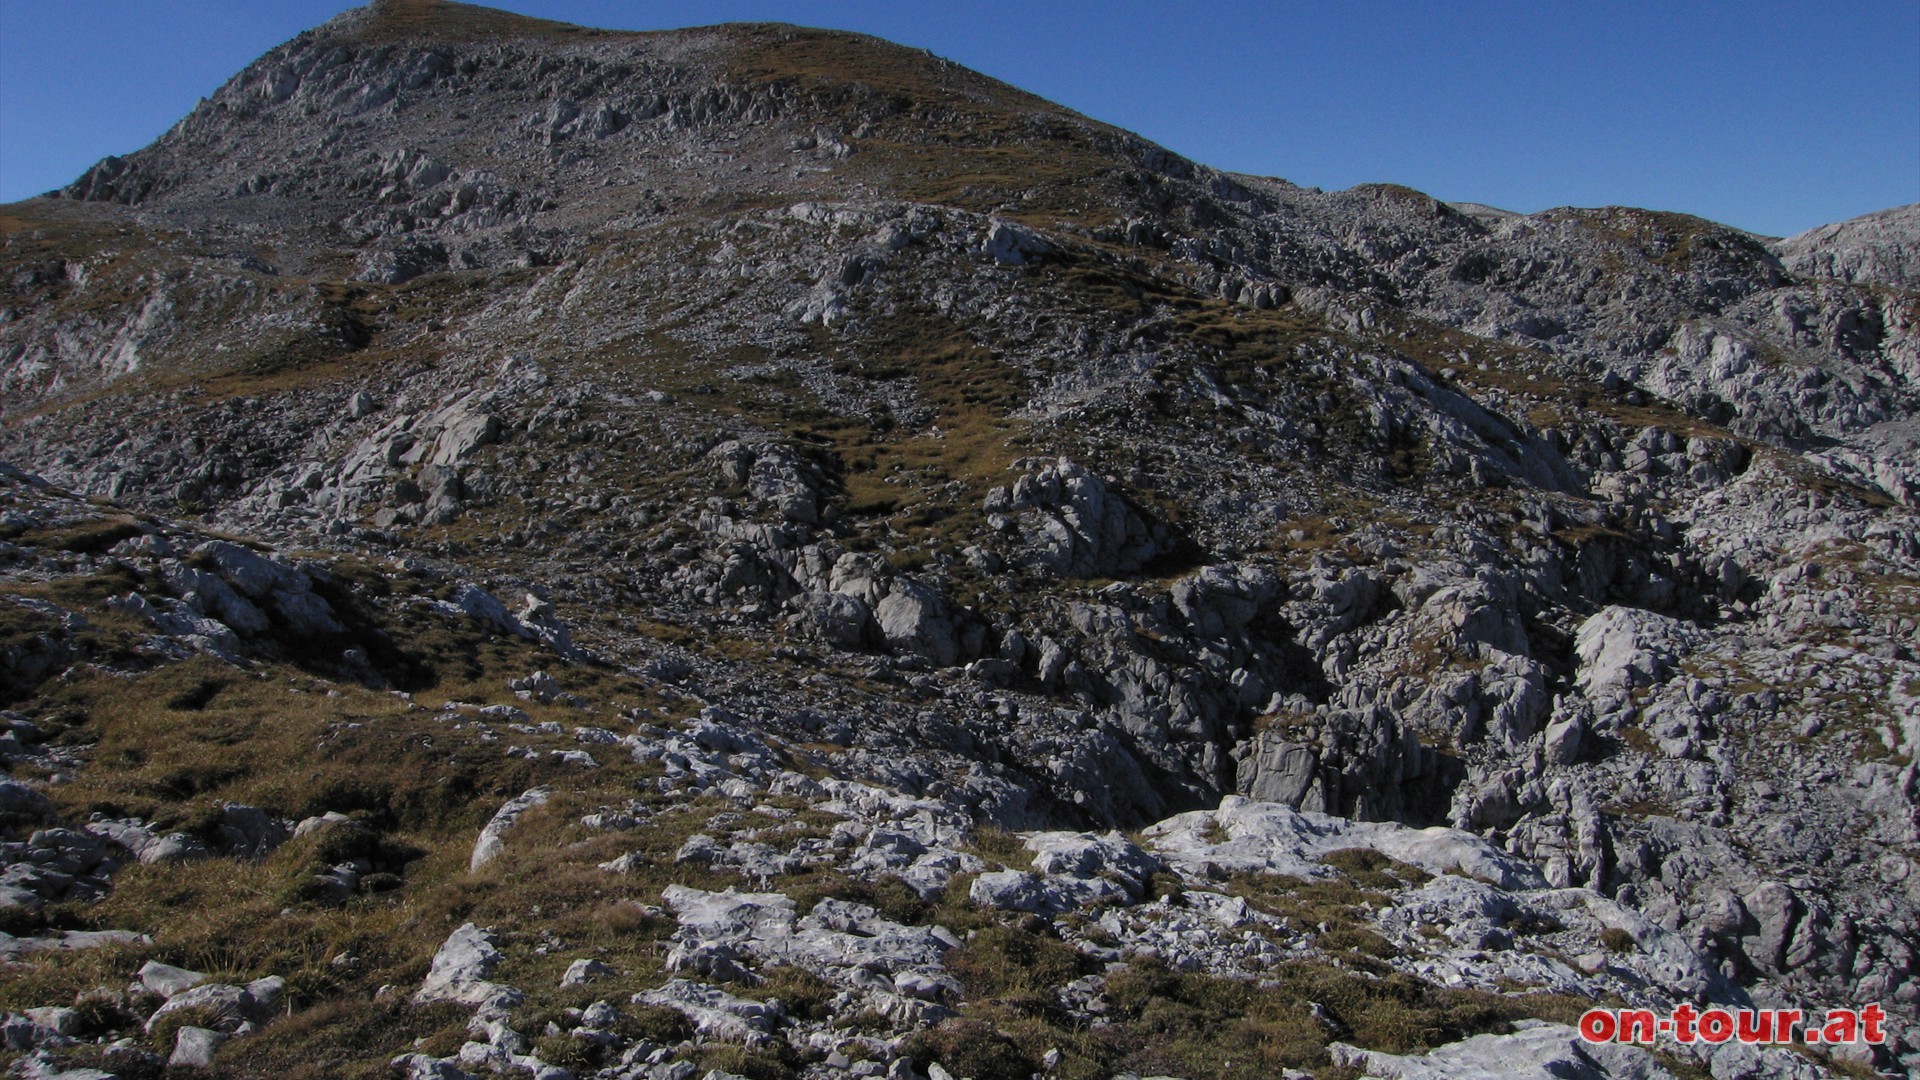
(1073, 525)
(492, 842)
(1547, 1050)
(460, 970)
(1882, 247)
(1622, 648)
(838, 453)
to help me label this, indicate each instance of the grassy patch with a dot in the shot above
(401, 19)
(1166, 1022)
(1254, 1029)
(997, 846)
(1305, 903)
(88, 537)
(939, 133)
(171, 744)
(1021, 963)
(971, 1048)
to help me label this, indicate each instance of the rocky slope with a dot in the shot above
(542, 549)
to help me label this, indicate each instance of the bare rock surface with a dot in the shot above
(753, 550)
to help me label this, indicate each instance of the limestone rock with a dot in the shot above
(1073, 525)
(193, 1047)
(1623, 648)
(168, 981)
(460, 970)
(492, 842)
(1274, 838)
(1013, 244)
(1536, 1052)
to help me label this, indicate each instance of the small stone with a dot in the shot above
(193, 1048)
(581, 972)
(166, 980)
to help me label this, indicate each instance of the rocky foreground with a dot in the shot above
(757, 552)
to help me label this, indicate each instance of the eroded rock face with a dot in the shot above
(1271, 838)
(1073, 525)
(1568, 558)
(1280, 771)
(1882, 247)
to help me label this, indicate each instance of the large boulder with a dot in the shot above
(1482, 611)
(20, 801)
(717, 1014)
(1621, 649)
(1073, 525)
(915, 618)
(1017, 890)
(1256, 837)
(225, 1005)
(1222, 600)
(773, 474)
(837, 619)
(460, 970)
(1014, 245)
(166, 980)
(1087, 855)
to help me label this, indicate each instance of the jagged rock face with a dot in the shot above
(1881, 248)
(936, 458)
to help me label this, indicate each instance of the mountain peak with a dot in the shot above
(608, 528)
(301, 135)
(389, 20)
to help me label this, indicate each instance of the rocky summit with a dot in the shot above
(759, 552)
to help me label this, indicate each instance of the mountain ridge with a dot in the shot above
(883, 459)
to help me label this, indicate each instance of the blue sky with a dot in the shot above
(1769, 116)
